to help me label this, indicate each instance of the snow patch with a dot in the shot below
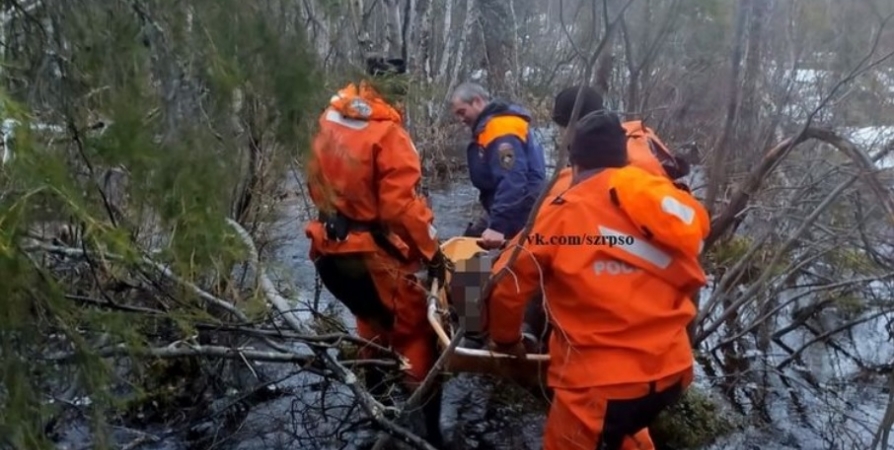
(873, 140)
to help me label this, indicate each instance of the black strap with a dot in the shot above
(673, 166)
(338, 226)
(613, 196)
(381, 239)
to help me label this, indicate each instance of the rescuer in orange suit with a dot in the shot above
(374, 232)
(619, 352)
(644, 150)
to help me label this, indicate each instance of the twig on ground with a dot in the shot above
(79, 253)
(185, 350)
(330, 339)
(880, 439)
(375, 409)
(279, 302)
(142, 439)
(423, 389)
(372, 407)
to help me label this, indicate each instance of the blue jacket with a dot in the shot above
(506, 164)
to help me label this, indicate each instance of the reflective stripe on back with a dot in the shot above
(641, 249)
(677, 209)
(335, 117)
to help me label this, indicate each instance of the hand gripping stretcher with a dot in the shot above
(445, 312)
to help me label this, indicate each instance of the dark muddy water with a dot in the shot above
(478, 413)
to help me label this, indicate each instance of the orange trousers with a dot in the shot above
(388, 303)
(610, 417)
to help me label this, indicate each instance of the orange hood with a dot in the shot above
(363, 103)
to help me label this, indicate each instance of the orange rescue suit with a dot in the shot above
(640, 152)
(365, 166)
(619, 311)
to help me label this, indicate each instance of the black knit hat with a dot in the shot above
(564, 104)
(599, 141)
(379, 66)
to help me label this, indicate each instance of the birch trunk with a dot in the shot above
(499, 45)
(458, 59)
(748, 127)
(449, 41)
(393, 41)
(420, 56)
(360, 19)
(718, 168)
(318, 31)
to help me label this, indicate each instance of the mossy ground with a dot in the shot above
(693, 423)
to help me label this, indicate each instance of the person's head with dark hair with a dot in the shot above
(599, 142)
(388, 76)
(564, 103)
(377, 66)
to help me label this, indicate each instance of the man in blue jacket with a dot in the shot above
(506, 162)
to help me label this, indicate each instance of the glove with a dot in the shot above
(474, 229)
(490, 246)
(471, 231)
(438, 267)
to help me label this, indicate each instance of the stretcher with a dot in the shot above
(444, 317)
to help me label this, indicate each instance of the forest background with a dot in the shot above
(153, 269)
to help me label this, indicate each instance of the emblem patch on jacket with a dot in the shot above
(507, 155)
(361, 108)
